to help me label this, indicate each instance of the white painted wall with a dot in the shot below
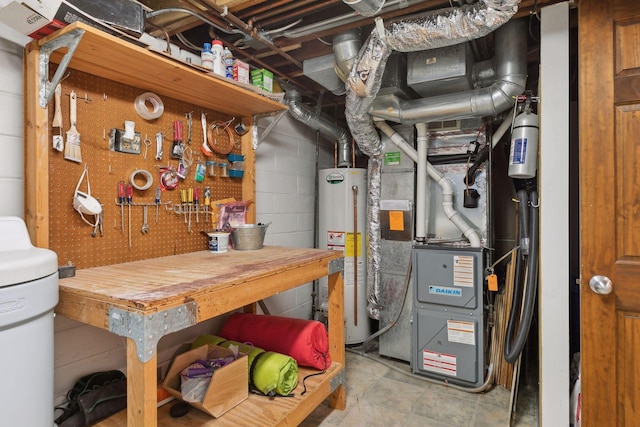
(11, 130)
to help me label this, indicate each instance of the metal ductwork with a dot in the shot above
(365, 7)
(444, 28)
(313, 119)
(345, 49)
(510, 80)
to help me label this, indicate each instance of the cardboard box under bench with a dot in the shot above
(229, 384)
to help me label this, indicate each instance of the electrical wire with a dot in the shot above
(187, 43)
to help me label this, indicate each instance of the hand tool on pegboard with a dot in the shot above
(129, 202)
(189, 116)
(58, 140)
(190, 204)
(121, 199)
(196, 203)
(158, 195)
(72, 148)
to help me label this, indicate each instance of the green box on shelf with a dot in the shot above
(263, 79)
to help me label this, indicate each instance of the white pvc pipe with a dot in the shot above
(397, 139)
(422, 198)
(499, 133)
(447, 198)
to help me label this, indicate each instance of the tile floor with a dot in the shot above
(378, 395)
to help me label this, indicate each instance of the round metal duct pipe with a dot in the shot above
(311, 118)
(365, 7)
(345, 49)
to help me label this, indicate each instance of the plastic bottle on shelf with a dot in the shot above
(218, 57)
(207, 57)
(228, 63)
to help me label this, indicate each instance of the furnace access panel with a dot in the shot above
(448, 314)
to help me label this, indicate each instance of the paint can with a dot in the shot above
(218, 241)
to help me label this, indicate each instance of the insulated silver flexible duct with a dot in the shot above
(440, 29)
(312, 119)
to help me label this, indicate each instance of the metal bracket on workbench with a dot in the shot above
(336, 265)
(337, 381)
(71, 40)
(147, 330)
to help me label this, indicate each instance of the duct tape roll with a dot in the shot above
(147, 177)
(142, 103)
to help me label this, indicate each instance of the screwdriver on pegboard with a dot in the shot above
(158, 195)
(121, 201)
(129, 201)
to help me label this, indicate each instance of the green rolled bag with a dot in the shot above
(270, 373)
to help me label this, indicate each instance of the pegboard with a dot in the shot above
(103, 105)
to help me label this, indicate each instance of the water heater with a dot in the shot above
(342, 227)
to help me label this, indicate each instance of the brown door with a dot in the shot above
(609, 52)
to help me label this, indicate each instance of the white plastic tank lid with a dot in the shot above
(20, 261)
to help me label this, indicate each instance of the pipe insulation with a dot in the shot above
(311, 118)
(444, 28)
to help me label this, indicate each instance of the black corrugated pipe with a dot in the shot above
(513, 347)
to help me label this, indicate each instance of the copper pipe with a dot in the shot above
(353, 153)
(355, 254)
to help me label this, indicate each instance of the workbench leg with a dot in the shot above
(142, 385)
(338, 398)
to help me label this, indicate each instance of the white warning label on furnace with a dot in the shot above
(463, 271)
(439, 363)
(461, 332)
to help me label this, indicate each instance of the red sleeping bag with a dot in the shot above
(304, 340)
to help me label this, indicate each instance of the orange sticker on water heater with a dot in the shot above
(396, 221)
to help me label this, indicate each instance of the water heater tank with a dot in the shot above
(342, 209)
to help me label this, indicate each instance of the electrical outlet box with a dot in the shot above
(118, 143)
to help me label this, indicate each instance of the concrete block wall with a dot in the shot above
(285, 186)
(11, 130)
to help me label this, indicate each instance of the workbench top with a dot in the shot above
(150, 285)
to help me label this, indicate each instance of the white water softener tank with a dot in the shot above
(28, 294)
(342, 208)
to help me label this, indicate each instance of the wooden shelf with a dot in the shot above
(256, 410)
(112, 58)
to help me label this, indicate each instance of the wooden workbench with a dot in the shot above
(145, 300)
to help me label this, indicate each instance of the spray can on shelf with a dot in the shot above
(207, 57)
(218, 57)
(228, 63)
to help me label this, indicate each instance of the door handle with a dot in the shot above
(601, 285)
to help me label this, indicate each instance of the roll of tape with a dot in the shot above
(147, 176)
(142, 108)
